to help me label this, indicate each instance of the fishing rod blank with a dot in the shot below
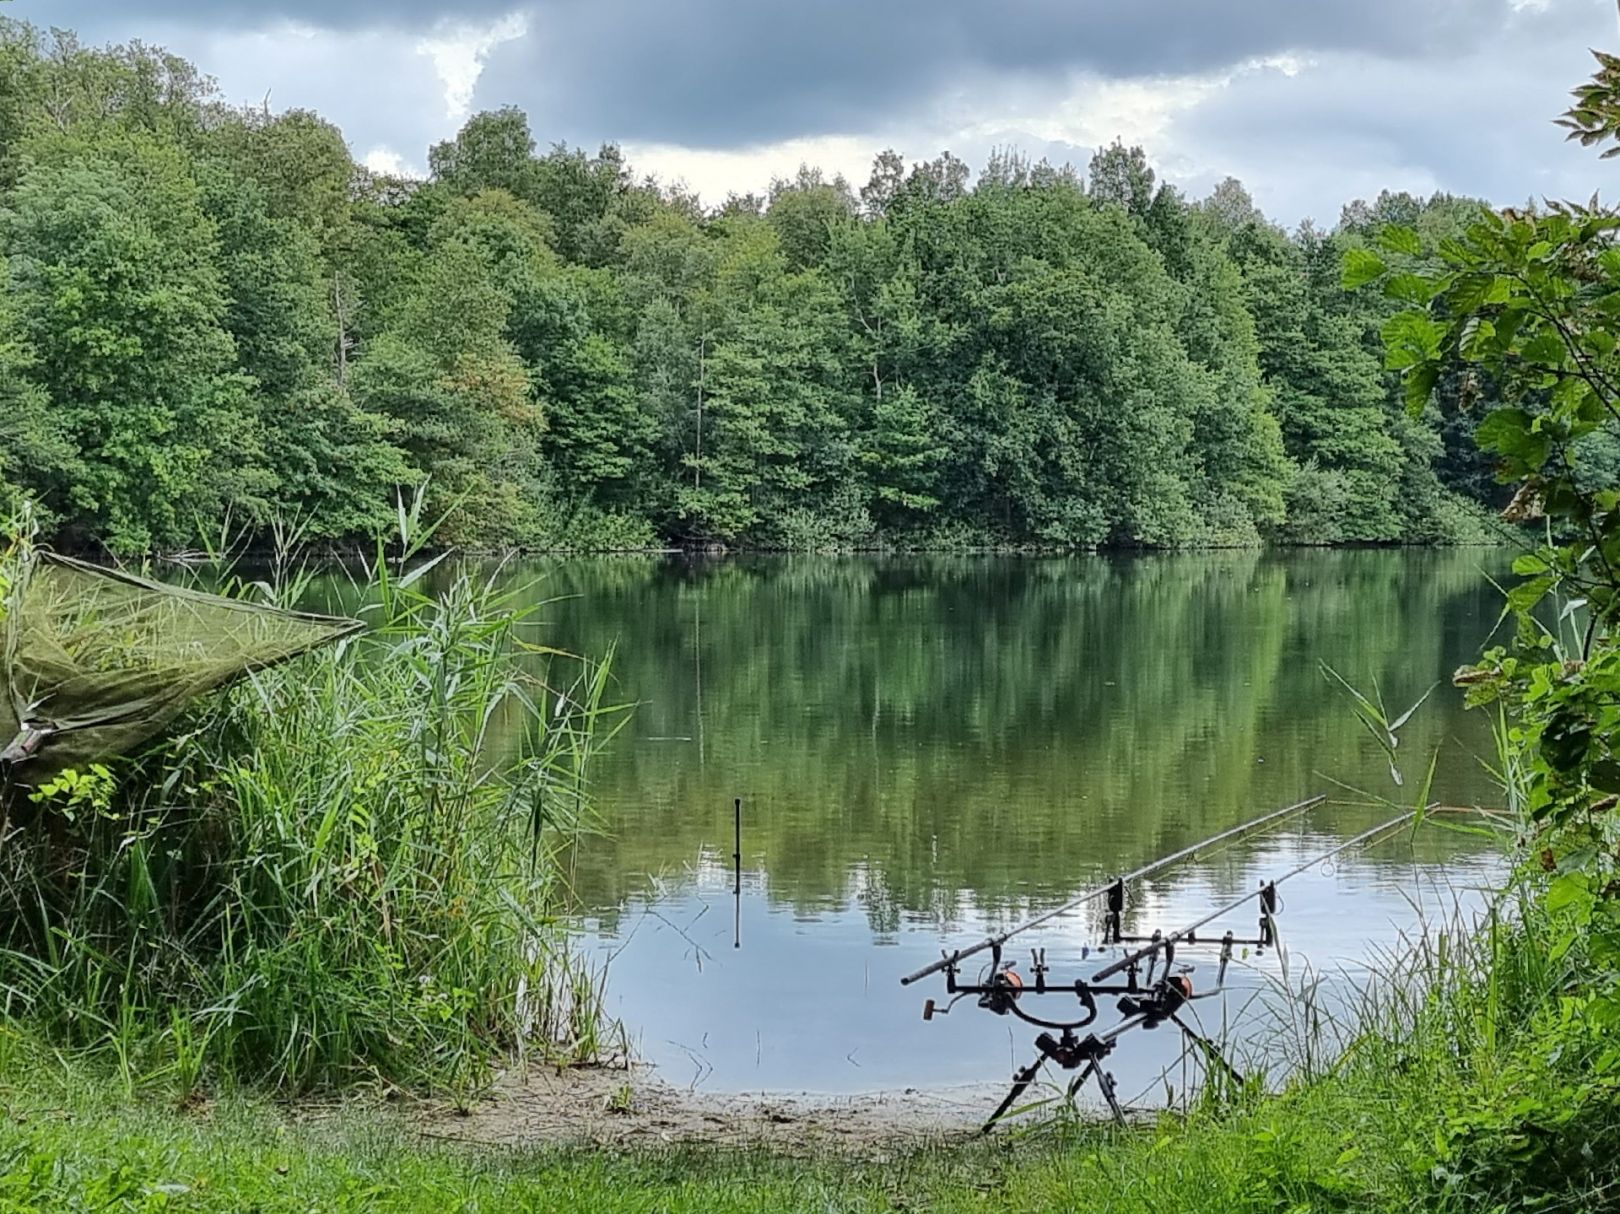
(1146, 870)
(1141, 954)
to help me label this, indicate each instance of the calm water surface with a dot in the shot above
(930, 749)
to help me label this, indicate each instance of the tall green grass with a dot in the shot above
(1479, 1082)
(343, 869)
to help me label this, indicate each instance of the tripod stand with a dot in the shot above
(1086, 1055)
(1071, 1053)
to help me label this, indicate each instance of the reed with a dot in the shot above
(346, 868)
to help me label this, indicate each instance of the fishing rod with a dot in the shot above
(1267, 893)
(955, 958)
(1143, 1002)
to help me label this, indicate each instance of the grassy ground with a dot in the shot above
(1488, 1088)
(90, 1149)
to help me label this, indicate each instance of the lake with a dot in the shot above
(929, 749)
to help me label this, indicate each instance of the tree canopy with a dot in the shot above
(210, 312)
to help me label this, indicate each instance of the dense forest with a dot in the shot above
(213, 317)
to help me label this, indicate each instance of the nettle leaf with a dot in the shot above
(1398, 238)
(1524, 597)
(1362, 266)
(1590, 412)
(1410, 339)
(1568, 890)
(1546, 348)
(1457, 253)
(1471, 292)
(1419, 385)
(1561, 500)
(1508, 324)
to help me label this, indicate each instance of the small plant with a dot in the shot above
(74, 794)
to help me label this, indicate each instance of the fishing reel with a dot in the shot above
(1161, 1003)
(998, 993)
(1002, 991)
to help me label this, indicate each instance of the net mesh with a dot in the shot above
(97, 662)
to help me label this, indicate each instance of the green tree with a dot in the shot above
(903, 452)
(37, 456)
(493, 151)
(113, 264)
(805, 212)
(1121, 177)
(459, 400)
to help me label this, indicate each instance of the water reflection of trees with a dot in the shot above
(981, 734)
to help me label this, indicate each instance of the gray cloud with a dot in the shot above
(1478, 122)
(113, 18)
(715, 73)
(720, 72)
(1377, 102)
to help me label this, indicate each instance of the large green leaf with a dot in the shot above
(1362, 266)
(1419, 386)
(1411, 338)
(1512, 433)
(1411, 289)
(1478, 340)
(1398, 238)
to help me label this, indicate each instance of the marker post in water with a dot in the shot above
(736, 870)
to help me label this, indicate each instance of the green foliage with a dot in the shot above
(340, 871)
(75, 794)
(1523, 308)
(118, 295)
(1528, 302)
(213, 313)
(1595, 117)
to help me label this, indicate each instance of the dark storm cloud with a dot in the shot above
(718, 73)
(722, 72)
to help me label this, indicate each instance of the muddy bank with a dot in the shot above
(615, 1107)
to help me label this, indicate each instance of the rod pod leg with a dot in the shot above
(1105, 1081)
(1211, 1050)
(1021, 1082)
(1105, 1084)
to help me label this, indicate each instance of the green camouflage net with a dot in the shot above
(97, 662)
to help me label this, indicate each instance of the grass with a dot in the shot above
(1481, 1084)
(344, 869)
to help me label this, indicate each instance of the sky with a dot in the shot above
(1310, 103)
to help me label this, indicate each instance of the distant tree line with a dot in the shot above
(213, 314)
